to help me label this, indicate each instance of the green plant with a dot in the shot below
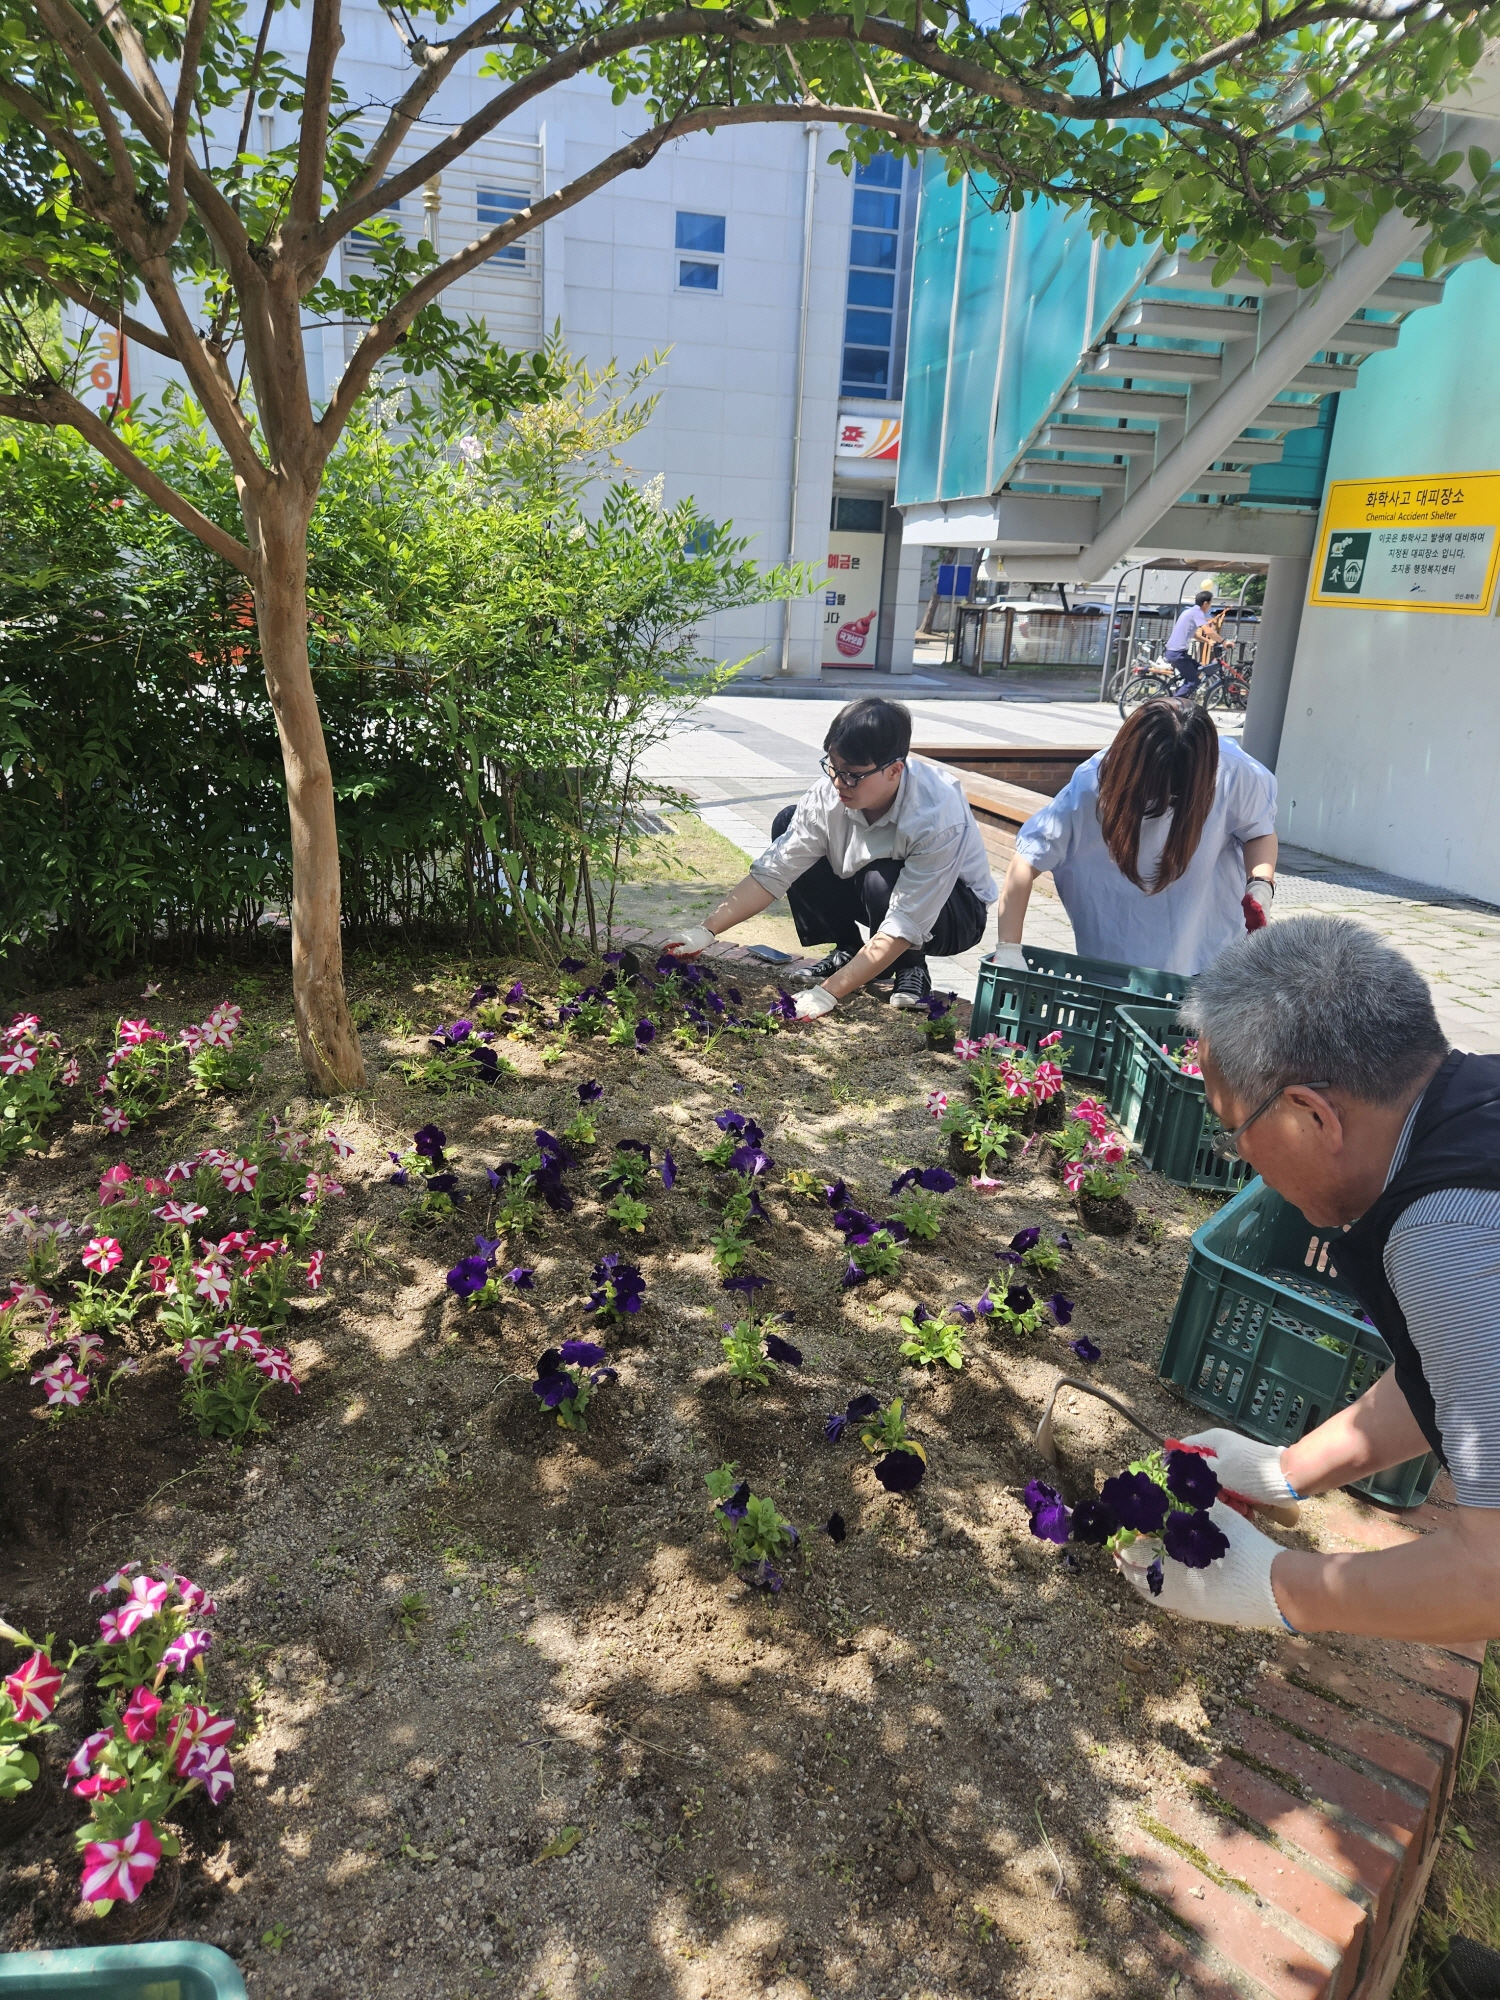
(629, 1214)
(754, 1350)
(878, 1256)
(412, 1613)
(920, 1213)
(729, 1251)
(757, 1535)
(929, 1340)
(32, 1073)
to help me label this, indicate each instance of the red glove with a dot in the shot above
(1255, 916)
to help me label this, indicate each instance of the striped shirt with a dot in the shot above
(1442, 1261)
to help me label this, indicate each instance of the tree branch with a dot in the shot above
(54, 406)
(326, 40)
(384, 335)
(177, 150)
(104, 309)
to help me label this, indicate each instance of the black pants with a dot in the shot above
(829, 908)
(1188, 670)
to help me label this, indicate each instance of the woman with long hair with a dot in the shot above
(1162, 847)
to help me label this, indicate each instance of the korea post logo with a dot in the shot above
(1344, 567)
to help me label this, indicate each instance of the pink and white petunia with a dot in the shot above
(217, 1034)
(185, 1650)
(33, 1688)
(243, 1340)
(160, 1277)
(191, 1039)
(101, 1254)
(213, 1156)
(83, 1759)
(193, 1596)
(235, 1242)
(119, 1581)
(181, 1170)
(257, 1254)
(113, 1119)
(194, 1726)
(276, 1365)
(212, 1282)
(23, 1024)
(112, 1184)
(1074, 1175)
(240, 1176)
(209, 1765)
(18, 1061)
(67, 1389)
(141, 1712)
(87, 1346)
(343, 1148)
(183, 1213)
(91, 1788)
(937, 1103)
(200, 1347)
(143, 1601)
(133, 1034)
(116, 1871)
(70, 1073)
(315, 1271)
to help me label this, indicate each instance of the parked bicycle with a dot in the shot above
(1222, 684)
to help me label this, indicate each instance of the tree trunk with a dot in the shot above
(325, 1034)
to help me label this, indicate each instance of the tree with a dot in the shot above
(1244, 124)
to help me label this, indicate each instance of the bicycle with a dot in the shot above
(1224, 685)
(1147, 679)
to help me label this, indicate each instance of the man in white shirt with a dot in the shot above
(878, 841)
(1183, 652)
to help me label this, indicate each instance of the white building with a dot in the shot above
(749, 258)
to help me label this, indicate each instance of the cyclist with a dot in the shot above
(1186, 645)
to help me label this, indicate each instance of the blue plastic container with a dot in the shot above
(167, 1971)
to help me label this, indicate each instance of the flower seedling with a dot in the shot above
(583, 1129)
(33, 1076)
(758, 1537)
(222, 1055)
(619, 1289)
(1041, 1254)
(227, 1375)
(901, 1462)
(1013, 1308)
(875, 1252)
(566, 1378)
(931, 1338)
(1163, 1498)
(754, 1351)
(27, 1699)
(916, 1204)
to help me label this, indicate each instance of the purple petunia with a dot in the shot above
(1064, 1240)
(731, 1121)
(835, 1425)
(1154, 1578)
(523, 1277)
(554, 1389)
(1084, 1348)
(783, 1351)
(581, 1353)
(900, 1471)
(1093, 1522)
(748, 1282)
(429, 1142)
(486, 990)
(1019, 1300)
(570, 965)
(936, 1180)
(1008, 1256)
(750, 1159)
(834, 1528)
(629, 1285)
(1026, 1239)
(1050, 1514)
(469, 1275)
(984, 1305)
(737, 1505)
(963, 1313)
(1060, 1308)
(853, 1276)
(590, 1092)
(1190, 1478)
(836, 1193)
(1194, 1539)
(645, 1033)
(668, 1170)
(1136, 1500)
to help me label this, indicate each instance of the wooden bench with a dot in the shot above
(1000, 802)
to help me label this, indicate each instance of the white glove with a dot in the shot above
(693, 940)
(814, 1003)
(1010, 956)
(1263, 891)
(1235, 1589)
(1252, 1470)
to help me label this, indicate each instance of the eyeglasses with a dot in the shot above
(846, 780)
(1226, 1145)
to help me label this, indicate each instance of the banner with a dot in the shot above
(1426, 544)
(863, 436)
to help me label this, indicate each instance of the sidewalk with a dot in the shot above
(746, 755)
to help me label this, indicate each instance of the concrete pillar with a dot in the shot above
(1275, 650)
(901, 602)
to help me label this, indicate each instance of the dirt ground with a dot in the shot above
(452, 1632)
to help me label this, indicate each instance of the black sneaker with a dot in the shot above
(814, 975)
(912, 986)
(1470, 1971)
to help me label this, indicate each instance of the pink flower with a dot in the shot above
(91, 1788)
(82, 1760)
(240, 1176)
(937, 1102)
(1111, 1151)
(160, 1279)
(23, 1024)
(142, 1603)
(185, 1649)
(194, 1597)
(228, 1012)
(87, 1346)
(966, 1049)
(19, 1061)
(139, 1719)
(119, 1581)
(1049, 1081)
(116, 1871)
(342, 1147)
(1074, 1175)
(200, 1347)
(183, 1213)
(154, 1187)
(261, 1253)
(1050, 1041)
(217, 1034)
(191, 1039)
(195, 1725)
(33, 1688)
(113, 1119)
(58, 1365)
(212, 1283)
(66, 1388)
(133, 1033)
(315, 1271)
(213, 1156)
(180, 1170)
(101, 1254)
(243, 1340)
(237, 1240)
(112, 1184)
(210, 1766)
(70, 1072)
(276, 1365)
(151, 990)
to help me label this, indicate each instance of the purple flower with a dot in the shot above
(904, 1180)
(1136, 1500)
(486, 990)
(668, 1170)
(763, 1577)
(498, 1176)
(1008, 1256)
(1019, 1300)
(469, 1275)
(900, 1471)
(486, 1246)
(523, 1277)
(629, 1285)
(1154, 1578)
(570, 965)
(734, 994)
(400, 1177)
(835, 1425)
(1025, 1239)
(554, 1389)
(1060, 1308)
(750, 1159)
(920, 1314)
(737, 1505)
(611, 957)
(963, 1313)
(1194, 1539)
(835, 1195)
(834, 1528)
(748, 1282)
(1084, 1348)
(783, 1350)
(645, 1033)
(862, 1406)
(450, 1038)
(515, 995)
(442, 1183)
(854, 1222)
(1050, 1515)
(1064, 1240)
(937, 1180)
(590, 1092)
(783, 1007)
(984, 1305)
(1192, 1479)
(937, 1005)
(429, 1142)
(581, 1353)
(1093, 1522)
(853, 1276)
(731, 1121)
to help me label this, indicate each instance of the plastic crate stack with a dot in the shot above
(1077, 997)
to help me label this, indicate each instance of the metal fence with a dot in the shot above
(996, 636)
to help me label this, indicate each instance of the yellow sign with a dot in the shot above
(1426, 544)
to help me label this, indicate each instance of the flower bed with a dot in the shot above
(715, 1560)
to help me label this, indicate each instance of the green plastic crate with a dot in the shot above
(179, 1971)
(1163, 1112)
(1260, 1292)
(1076, 995)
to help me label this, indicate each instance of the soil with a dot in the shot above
(456, 1636)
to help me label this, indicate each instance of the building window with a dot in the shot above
(856, 515)
(496, 206)
(703, 235)
(361, 242)
(874, 256)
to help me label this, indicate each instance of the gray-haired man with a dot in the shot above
(1323, 1057)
